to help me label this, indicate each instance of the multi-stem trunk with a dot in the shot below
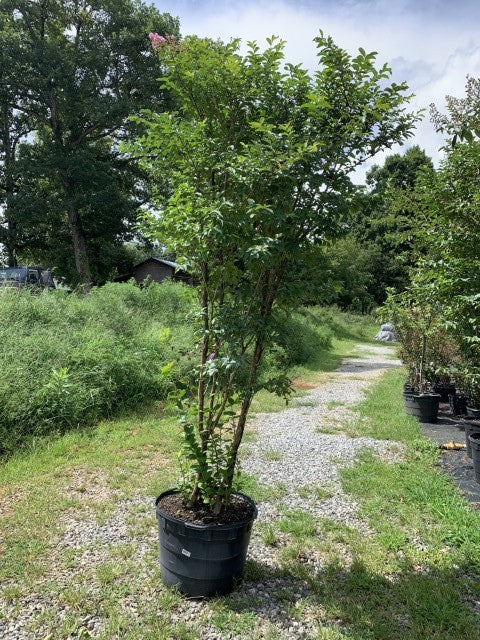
(268, 295)
(201, 378)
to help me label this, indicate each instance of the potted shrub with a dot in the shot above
(249, 174)
(442, 360)
(416, 323)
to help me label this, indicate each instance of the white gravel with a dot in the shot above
(289, 449)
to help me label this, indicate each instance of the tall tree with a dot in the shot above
(389, 218)
(86, 66)
(14, 128)
(257, 159)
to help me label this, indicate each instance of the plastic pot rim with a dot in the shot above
(205, 527)
(423, 395)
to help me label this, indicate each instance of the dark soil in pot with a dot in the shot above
(472, 425)
(475, 445)
(473, 412)
(423, 406)
(444, 390)
(201, 558)
(458, 404)
(237, 510)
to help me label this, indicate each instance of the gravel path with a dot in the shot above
(293, 451)
(307, 456)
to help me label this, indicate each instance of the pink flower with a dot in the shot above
(211, 357)
(156, 39)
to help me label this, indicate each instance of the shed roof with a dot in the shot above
(167, 262)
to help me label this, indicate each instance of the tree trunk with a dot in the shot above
(76, 232)
(8, 161)
(11, 257)
(79, 249)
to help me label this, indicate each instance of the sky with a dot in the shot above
(431, 44)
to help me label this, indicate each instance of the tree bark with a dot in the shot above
(79, 249)
(76, 233)
(8, 160)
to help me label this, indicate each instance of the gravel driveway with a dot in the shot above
(295, 455)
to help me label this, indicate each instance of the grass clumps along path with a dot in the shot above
(71, 568)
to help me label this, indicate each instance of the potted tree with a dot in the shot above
(416, 323)
(249, 173)
(442, 363)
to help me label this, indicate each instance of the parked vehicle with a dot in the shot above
(16, 277)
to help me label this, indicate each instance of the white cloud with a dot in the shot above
(432, 45)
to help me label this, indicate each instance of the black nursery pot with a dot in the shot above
(408, 389)
(423, 406)
(458, 404)
(475, 445)
(445, 390)
(202, 560)
(472, 425)
(473, 412)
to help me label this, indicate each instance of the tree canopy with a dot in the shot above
(73, 71)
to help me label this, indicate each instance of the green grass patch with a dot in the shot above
(416, 576)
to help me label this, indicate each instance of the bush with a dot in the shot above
(68, 361)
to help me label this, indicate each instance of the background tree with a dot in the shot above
(257, 161)
(85, 67)
(14, 129)
(388, 221)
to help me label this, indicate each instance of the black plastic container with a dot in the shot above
(423, 406)
(473, 412)
(444, 390)
(202, 560)
(458, 404)
(472, 425)
(408, 389)
(475, 445)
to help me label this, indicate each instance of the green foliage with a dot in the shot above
(250, 173)
(67, 361)
(450, 200)
(354, 270)
(300, 335)
(72, 71)
(425, 348)
(388, 220)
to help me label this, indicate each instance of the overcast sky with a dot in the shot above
(432, 44)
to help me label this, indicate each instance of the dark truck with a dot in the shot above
(16, 277)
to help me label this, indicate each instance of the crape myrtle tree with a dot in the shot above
(250, 172)
(76, 70)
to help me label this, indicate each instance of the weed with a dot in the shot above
(272, 455)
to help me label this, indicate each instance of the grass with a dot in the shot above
(417, 575)
(319, 493)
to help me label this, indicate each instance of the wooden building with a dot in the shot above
(155, 269)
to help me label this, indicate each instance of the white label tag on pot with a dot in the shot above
(186, 553)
